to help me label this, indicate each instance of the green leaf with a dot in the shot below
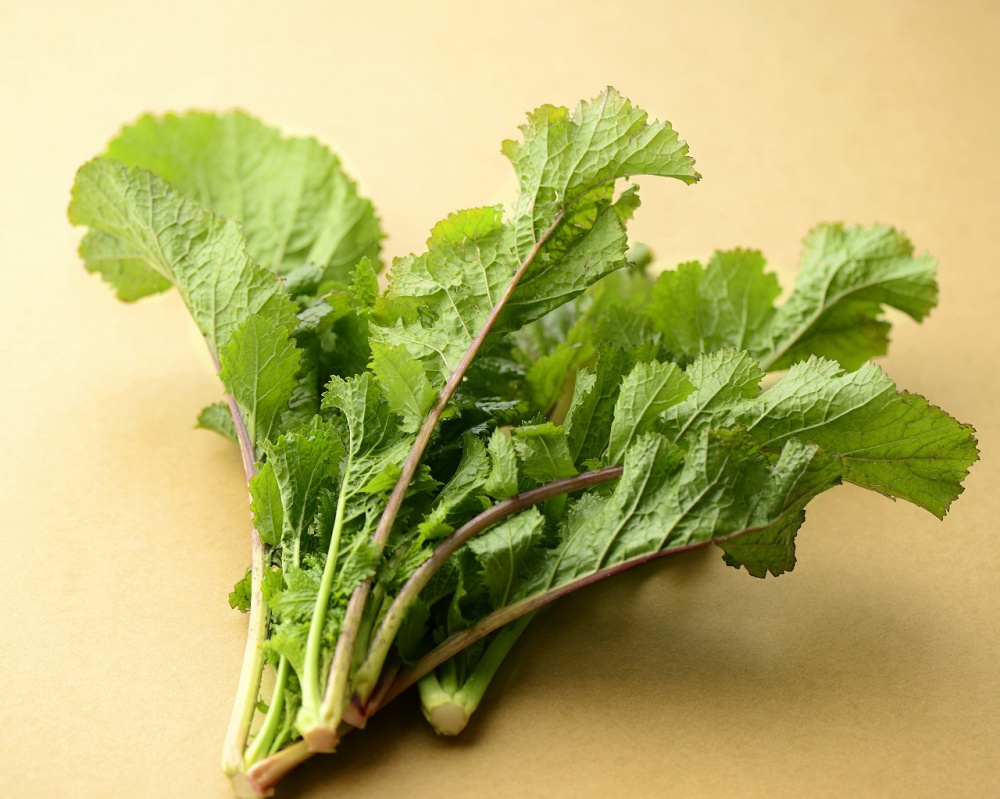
(364, 284)
(582, 250)
(892, 442)
(456, 282)
(720, 489)
(404, 384)
(771, 547)
(566, 232)
(360, 562)
(544, 452)
(722, 381)
(462, 495)
(846, 277)
(771, 550)
(611, 312)
(505, 550)
(502, 482)
(265, 504)
(565, 156)
(259, 366)
(296, 205)
(122, 265)
(646, 392)
(364, 411)
(591, 413)
(546, 378)
(239, 597)
(727, 304)
(272, 583)
(304, 463)
(205, 256)
(217, 418)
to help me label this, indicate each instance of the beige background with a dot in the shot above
(872, 670)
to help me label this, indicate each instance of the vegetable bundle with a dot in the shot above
(523, 410)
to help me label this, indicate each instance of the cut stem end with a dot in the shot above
(321, 739)
(448, 718)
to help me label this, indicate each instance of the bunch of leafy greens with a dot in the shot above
(521, 412)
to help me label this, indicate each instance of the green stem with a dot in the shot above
(312, 689)
(248, 688)
(264, 740)
(448, 710)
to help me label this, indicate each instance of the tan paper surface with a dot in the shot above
(872, 670)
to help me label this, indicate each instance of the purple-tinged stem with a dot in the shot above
(343, 655)
(369, 671)
(248, 687)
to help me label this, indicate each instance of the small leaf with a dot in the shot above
(646, 392)
(503, 480)
(265, 504)
(216, 417)
(544, 452)
(259, 366)
(239, 597)
(505, 550)
(404, 384)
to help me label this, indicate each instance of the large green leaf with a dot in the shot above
(296, 204)
(140, 227)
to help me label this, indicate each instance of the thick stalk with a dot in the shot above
(447, 710)
(368, 673)
(260, 779)
(335, 697)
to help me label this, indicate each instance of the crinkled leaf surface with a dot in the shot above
(889, 441)
(295, 202)
(565, 230)
(132, 210)
(646, 392)
(259, 367)
(666, 499)
(727, 304)
(847, 276)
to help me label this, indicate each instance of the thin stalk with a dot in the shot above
(312, 690)
(368, 673)
(248, 688)
(335, 697)
(264, 740)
